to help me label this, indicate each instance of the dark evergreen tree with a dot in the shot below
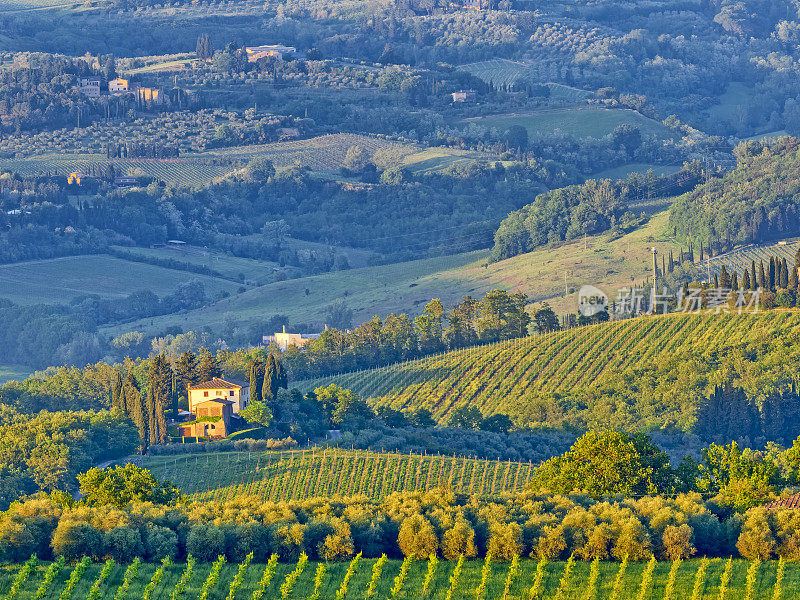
(185, 372)
(117, 395)
(269, 389)
(753, 278)
(207, 366)
(792, 280)
(716, 281)
(204, 48)
(724, 278)
(746, 284)
(735, 281)
(671, 263)
(784, 283)
(771, 274)
(136, 409)
(256, 379)
(762, 277)
(691, 253)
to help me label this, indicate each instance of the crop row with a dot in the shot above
(366, 578)
(297, 475)
(495, 377)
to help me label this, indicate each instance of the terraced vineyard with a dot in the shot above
(507, 376)
(741, 259)
(279, 476)
(369, 578)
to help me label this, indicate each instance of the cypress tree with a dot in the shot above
(746, 285)
(269, 389)
(762, 277)
(117, 396)
(282, 374)
(735, 281)
(771, 280)
(784, 274)
(671, 263)
(691, 253)
(724, 278)
(256, 379)
(663, 267)
(792, 279)
(133, 400)
(716, 282)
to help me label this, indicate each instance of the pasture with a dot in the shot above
(581, 122)
(408, 286)
(475, 579)
(60, 280)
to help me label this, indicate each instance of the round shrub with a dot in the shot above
(205, 542)
(160, 542)
(75, 540)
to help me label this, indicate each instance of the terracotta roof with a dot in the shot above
(215, 400)
(792, 501)
(217, 384)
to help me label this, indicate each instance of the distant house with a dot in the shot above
(792, 501)
(148, 95)
(212, 419)
(283, 340)
(288, 133)
(237, 392)
(89, 86)
(118, 86)
(125, 181)
(256, 52)
(463, 96)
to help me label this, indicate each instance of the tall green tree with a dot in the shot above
(784, 274)
(255, 377)
(185, 371)
(117, 395)
(762, 277)
(136, 409)
(269, 389)
(207, 366)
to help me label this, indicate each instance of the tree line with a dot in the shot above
(499, 315)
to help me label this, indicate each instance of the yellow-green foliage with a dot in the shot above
(517, 377)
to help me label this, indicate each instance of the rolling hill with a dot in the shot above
(656, 369)
(406, 287)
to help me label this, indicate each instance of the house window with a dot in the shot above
(205, 394)
(230, 393)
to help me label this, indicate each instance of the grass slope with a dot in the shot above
(406, 287)
(508, 377)
(59, 280)
(280, 476)
(583, 122)
(467, 583)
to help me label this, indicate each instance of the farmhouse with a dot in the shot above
(212, 419)
(89, 86)
(118, 86)
(237, 392)
(463, 96)
(283, 340)
(147, 95)
(256, 52)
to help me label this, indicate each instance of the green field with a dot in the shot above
(59, 280)
(298, 475)
(508, 377)
(224, 264)
(194, 172)
(464, 587)
(406, 287)
(584, 122)
(323, 155)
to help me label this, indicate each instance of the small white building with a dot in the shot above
(283, 340)
(89, 86)
(463, 96)
(238, 392)
(118, 86)
(278, 50)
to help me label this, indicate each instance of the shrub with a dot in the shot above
(757, 541)
(676, 542)
(73, 540)
(417, 537)
(505, 541)
(458, 540)
(160, 542)
(122, 544)
(205, 542)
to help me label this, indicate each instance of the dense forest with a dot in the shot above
(757, 201)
